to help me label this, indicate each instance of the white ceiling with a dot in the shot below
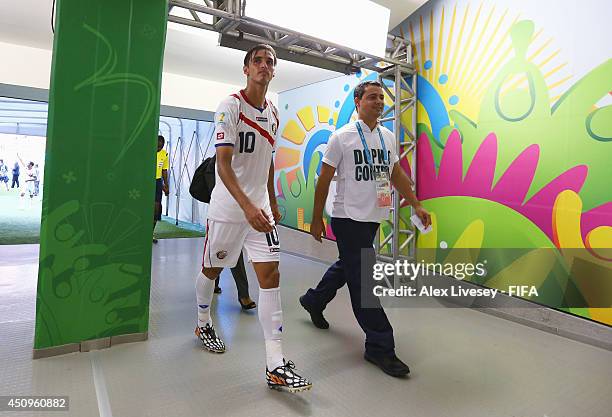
(193, 53)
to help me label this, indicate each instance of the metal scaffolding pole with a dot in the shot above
(399, 242)
(196, 164)
(241, 32)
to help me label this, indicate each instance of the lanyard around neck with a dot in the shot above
(366, 150)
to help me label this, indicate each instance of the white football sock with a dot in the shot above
(204, 295)
(271, 318)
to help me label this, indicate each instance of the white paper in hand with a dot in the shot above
(419, 224)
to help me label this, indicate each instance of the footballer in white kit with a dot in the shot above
(251, 131)
(243, 212)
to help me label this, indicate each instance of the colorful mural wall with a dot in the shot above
(309, 115)
(514, 143)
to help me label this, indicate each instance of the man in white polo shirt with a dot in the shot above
(363, 154)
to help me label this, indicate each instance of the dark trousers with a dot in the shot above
(351, 237)
(15, 181)
(240, 276)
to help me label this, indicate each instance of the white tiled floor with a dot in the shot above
(464, 363)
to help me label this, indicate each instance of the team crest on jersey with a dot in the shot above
(273, 129)
(221, 254)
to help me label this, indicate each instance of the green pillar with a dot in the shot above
(95, 246)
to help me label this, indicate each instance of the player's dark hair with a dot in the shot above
(253, 51)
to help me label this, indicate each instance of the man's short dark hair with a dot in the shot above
(253, 51)
(361, 87)
(160, 137)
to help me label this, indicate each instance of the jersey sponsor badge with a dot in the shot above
(220, 135)
(221, 118)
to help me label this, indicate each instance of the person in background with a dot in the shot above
(4, 174)
(28, 184)
(242, 285)
(30, 178)
(161, 179)
(15, 173)
(37, 180)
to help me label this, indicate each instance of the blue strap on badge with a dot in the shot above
(366, 150)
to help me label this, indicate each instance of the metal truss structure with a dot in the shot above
(400, 241)
(395, 70)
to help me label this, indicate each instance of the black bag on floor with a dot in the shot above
(203, 180)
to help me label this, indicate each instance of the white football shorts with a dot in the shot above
(224, 242)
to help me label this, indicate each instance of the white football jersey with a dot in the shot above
(251, 132)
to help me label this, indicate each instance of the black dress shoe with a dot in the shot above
(316, 316)
(391, 365)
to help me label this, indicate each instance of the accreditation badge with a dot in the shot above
(383, 189)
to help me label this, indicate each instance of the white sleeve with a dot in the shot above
(333, 154)
(226, 122)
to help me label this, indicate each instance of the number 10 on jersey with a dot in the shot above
(247, 142)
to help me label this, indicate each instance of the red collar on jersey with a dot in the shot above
(244, 96)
